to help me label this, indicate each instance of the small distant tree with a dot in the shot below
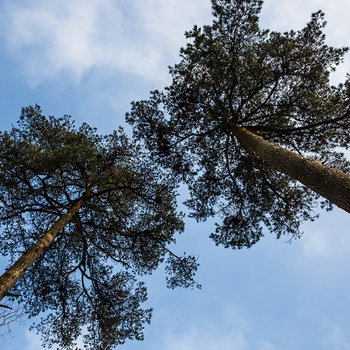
(82, 216)
(252, 124)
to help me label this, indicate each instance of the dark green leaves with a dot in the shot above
(85, 285)
(274, 84)
(181, 271)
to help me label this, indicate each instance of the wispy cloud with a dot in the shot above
(196, 339)
(135, 37)
(336, 340)
(74, 37)
(286, 15)
(234, 329)
(316, 243)
(204, 339)
(326, 240)
(266, 345)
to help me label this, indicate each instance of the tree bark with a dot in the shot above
(330, 183)
(36, 251)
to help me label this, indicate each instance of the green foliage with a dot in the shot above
(274, 84)
(86, 283)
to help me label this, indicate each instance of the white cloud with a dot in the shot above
(167, 20)
(328, 237)
(74, 37)
(266, 345)
(294, 14)
(316, 243)
(196, 339)
(230, 329)
(49, 38)
(336, 340)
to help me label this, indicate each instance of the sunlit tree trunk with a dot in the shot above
(36, 251)
(330, 183)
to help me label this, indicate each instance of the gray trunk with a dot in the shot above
(330, 183)
(35, 252)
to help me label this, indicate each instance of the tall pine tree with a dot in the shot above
(252, 124)
(82, 217)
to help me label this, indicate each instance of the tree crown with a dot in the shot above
(233, 73)
(87, 281)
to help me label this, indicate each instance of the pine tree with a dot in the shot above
(252, 124)
(84, 215)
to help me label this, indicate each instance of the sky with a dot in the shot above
(90, 59)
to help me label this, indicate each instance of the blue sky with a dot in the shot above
(90, 59)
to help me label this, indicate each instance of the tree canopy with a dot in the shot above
(235, 79)
(84, 216)
(114, 217)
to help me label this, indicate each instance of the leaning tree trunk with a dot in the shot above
(36, 251)
(330, 183)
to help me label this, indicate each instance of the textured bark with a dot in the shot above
(35, 252)
(330, 183)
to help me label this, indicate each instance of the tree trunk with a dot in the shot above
(330, 183)
(36, 251)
